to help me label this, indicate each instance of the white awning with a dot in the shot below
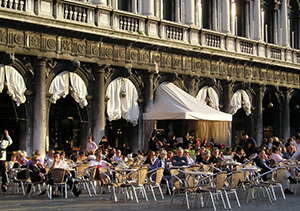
(14, 83)
(171, 102)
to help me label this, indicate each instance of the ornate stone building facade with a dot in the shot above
(243, 55)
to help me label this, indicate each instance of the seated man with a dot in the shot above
(98, 161)
(179, 159)
(259, 160)
(58, 163)
(215, 158)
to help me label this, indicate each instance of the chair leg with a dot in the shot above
(237, 198)
(187, 199)
(269, 195)
(273, 192)
(153, 193)
(136, 198)
(282, 192)
(213, 200)
(228, 202)
(161, 193)
(146, 197)
(223, 199)
(65, 189)
(172, 198)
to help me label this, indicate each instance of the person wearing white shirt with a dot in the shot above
(58, 163)
(5, 141)
(98, 161)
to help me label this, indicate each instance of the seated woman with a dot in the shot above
(37, 172)
(240, 155)
(13, 163)
(151, 159)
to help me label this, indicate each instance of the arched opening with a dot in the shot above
(67, 112)
(271, 116)
(295, 114)
(12, 118)
(64, 124)
(240, 123)
(122, 114)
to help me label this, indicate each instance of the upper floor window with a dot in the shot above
(208, 13)
(294, 24)
(270, 20)
(125, 5)
(174, 10)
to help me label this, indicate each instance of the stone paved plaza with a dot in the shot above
(84, 202)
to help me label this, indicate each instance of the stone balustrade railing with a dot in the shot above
(118, 22)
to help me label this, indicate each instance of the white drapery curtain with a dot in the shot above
(78, 89)
(213, 98)
(122, 101)
(59, 86)
(14, 83)
(66, 81)
(240, 99)
(2, 77)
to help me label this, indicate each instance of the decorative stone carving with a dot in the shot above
(19, 39)
(205, 66)
(223, 68)
(296, 79)
(34, 41)
(290, 78)
(269, 75)
(248, 72)
(197, 65)
(276, 77)
(134, 55)
(66, 45)
(240, 71)
(231, 70)
(3, 35)
(95, 49)
(255, 73)
(51, 44)
(176, 62)
(283, 77)
(214, 67)
(156, 57)
(187, 63)
(167, 60)
(262, 74)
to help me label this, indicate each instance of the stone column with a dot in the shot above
(99, 105)
(134, 6)
(214, 15)
(149, 7)
(259, 114)
(84, 128)
(286, 113)
(226, 16)
(40, 107)
(247, 23)
(148, 92)
(284, 24)
(257, 20)
(227, 93)
(190, 12)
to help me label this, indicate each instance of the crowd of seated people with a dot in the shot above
(271, 153)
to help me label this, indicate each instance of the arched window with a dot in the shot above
(294, 24)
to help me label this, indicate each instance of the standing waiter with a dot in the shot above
(5, 141)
